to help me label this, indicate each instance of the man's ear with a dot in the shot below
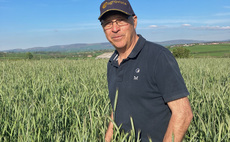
(135, 21)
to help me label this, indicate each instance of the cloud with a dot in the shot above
(189, 26)
(212, 28)
(186, 25)
(182, 21)
(153, 26)
(222, 14)
(163, 21)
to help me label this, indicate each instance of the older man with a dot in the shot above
(144, 80)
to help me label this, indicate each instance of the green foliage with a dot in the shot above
(181, 52)
(29, 55)
(2, 54)
(67, 100)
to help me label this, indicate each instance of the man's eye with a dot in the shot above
(121, 20)
(107, 23)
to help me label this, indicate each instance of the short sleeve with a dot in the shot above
(168, 77)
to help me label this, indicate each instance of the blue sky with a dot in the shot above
(42, 23)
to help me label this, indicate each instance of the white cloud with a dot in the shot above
(153, 26)
(182, 21)
(213, 27)
(186, 25)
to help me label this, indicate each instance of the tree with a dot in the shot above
(181, 52)
(2, 54)
(29, 55)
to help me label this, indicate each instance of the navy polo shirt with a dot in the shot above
(144, 83)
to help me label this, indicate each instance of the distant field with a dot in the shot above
(51, 55)
(221, 50)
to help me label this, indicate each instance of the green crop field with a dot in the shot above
(67, 100)
(219, 50)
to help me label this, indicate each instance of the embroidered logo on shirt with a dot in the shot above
(137, 70)
(135, 77)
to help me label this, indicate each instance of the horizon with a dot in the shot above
(29, 24)
(163, 43)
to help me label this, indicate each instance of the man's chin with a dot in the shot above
(118, 44)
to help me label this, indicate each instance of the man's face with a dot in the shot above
(120, 36)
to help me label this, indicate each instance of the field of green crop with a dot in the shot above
(219, 50)
(66, 100)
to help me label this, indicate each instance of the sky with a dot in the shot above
(42, 23)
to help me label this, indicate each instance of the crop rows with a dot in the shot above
(67, 100)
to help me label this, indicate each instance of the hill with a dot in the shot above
(175, 42)
(93, 46)
(66, 48)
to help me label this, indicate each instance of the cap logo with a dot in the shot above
(104, 5)
(110, 3)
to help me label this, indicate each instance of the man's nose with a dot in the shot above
(115, 27)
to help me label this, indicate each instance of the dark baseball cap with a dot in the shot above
(116, 5)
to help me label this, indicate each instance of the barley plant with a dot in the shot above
(67, 100)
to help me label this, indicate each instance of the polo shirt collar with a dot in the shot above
(138, 47)
(113, 59)
(136, 50)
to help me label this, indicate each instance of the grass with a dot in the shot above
(67, 100)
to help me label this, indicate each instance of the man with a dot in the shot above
(144, 80)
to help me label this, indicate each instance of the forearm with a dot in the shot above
(180, 120)
(109, 132)
(176, 129)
